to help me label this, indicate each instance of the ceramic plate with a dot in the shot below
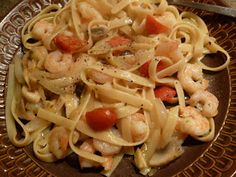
(216, 158)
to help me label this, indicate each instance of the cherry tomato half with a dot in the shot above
(152, 26)
(165, 93)
(144, 68)
(69, 44)
(118, 40)
(101, 119)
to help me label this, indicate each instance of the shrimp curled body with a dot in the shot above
(93, 145)
(105, 148)
(138, 126)
(88, 12)
(42, 29)
(87, 146)
(58, 142)
(99, 77)
(57, 62)
(168, 19)
(191, 78)
(208, 102)
(33, 97)
(192, 122)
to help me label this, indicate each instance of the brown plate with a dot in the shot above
(216, 158)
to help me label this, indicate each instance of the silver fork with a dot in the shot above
(207, 7)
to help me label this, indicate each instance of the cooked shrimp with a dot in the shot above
(87, 146)
(168, 19)
(58, 142)
(207, 101)
(42, 29)
(191, 78)
(105, 148)
(138, 126)
(169, 49)
(192, 122)
(31, 96)
(88, 12)
(99, 77)
(57, 62)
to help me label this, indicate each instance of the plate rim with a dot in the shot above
(192, 166)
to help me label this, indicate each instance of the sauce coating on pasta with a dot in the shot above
(106, 78)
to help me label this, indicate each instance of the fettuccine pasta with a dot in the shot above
(109, 78)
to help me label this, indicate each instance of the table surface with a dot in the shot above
(7, 5)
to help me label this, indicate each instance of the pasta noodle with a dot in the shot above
(109, 78)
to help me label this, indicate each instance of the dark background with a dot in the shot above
(6, 6)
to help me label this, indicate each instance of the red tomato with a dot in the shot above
(152, 26)
(118, 40)
(101, 118)
(85, 20)
(161, 66)
(165, 93)
(117, 52)
(144, 68)
(69, 44)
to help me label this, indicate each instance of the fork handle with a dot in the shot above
(207, 7)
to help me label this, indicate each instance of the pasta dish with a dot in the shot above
(109, 78)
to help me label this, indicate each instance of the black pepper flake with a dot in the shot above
(141, 105)
(102, 69)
